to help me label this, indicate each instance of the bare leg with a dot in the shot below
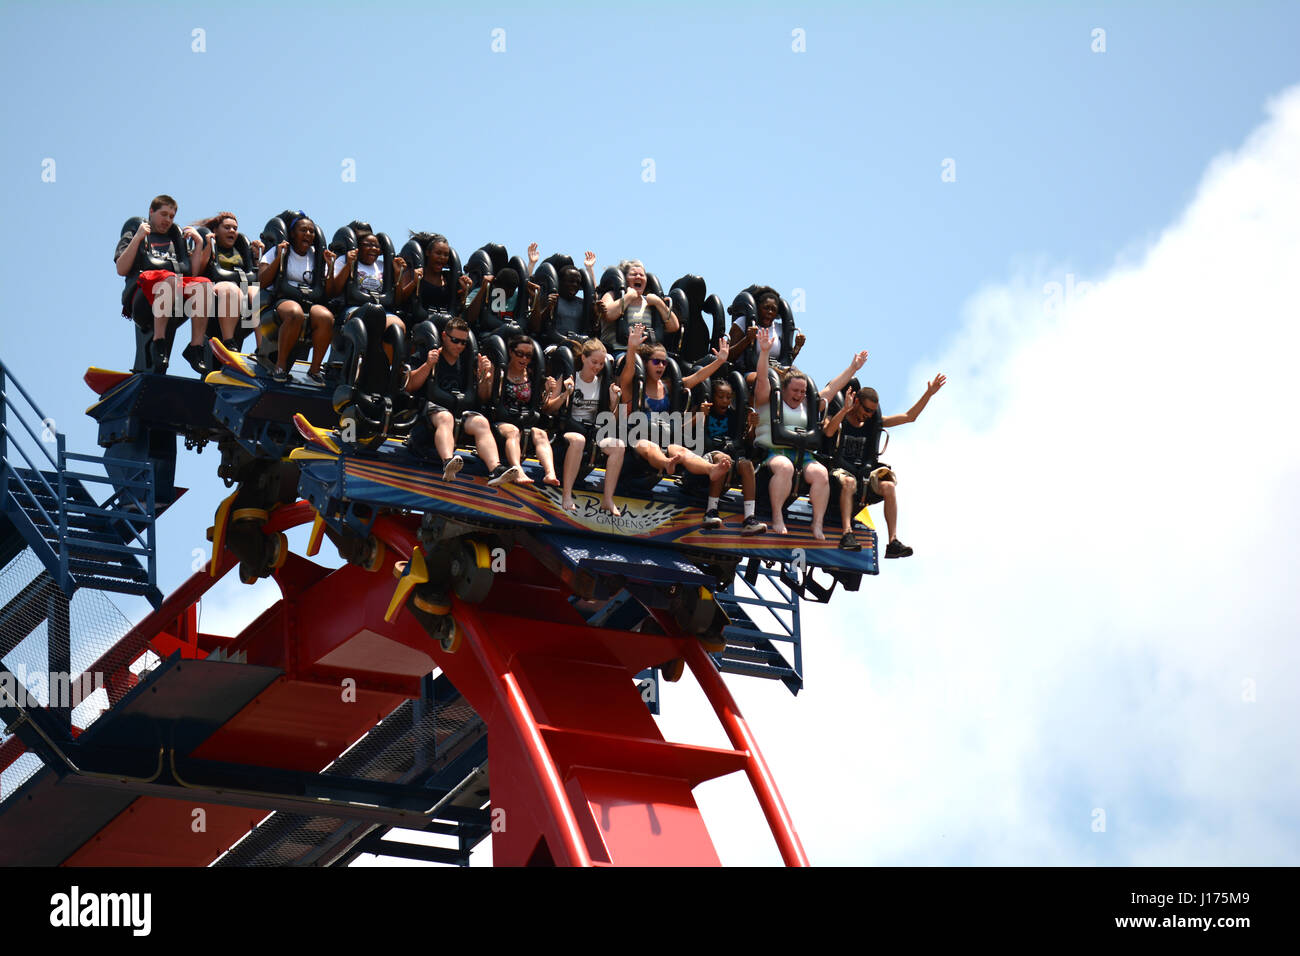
(542, 445)
(227, 298)
(891, 508)
(197, 306)
(444, 434)
(656, 458)
(322, 333)
(572, 462)
(696, 465)
(478, 428)
(511, 436)
(614, 453)
(291, 319)
(166, 295)
(819, 493)
(747, 484)
(848, 488)
(779, 487)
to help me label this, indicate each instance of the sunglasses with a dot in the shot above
(518, 354)
(658, 361)
(457, 341)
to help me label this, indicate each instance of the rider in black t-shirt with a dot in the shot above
(453, 390)
(857, 426)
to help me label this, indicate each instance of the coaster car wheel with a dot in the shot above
(471, 572)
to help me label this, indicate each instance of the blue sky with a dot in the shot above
(817, 170)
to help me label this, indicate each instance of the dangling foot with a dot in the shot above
(712, 519)
(158, 351)
(752, 526)
(451, 467)
(504, 473)
(551, 480)
(671, 467)
(779, 528)
(607, 505)
(896, 549)
(279, 375)
(849, 542)
(818, 533)
(568, 504)
(315, 377)
(194, 355)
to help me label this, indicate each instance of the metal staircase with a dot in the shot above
(46, 505)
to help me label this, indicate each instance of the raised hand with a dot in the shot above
(850, 395)
(533, 254)
(859, 360)
(589, 260)
(766, 339)
(636, 336)
(724, 347)
(935, 385)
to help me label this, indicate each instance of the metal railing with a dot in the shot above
(128, 511)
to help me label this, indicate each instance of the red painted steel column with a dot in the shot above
(520, 715)
(760, 778)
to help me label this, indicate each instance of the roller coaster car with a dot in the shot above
(350, 487)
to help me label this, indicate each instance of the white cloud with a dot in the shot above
(1102, 505)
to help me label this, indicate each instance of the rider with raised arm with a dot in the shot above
(857, 426)
(800, 415)
(660, 451)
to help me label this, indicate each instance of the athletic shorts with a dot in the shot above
(148, 282)
(796, 456)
